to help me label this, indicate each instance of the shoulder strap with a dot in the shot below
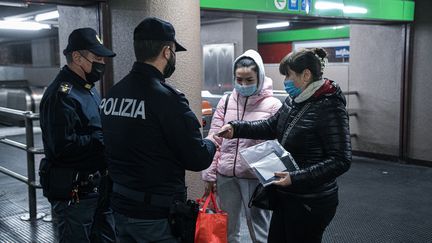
(294, 121)
(226, 104)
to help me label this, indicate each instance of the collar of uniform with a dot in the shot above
(148, 69)
(77, 79)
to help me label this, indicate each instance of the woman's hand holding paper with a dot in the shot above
(284, 179)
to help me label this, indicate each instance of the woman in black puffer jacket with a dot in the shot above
(319, 142)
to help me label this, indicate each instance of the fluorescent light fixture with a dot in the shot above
(16, 25)
(13, 4)
(340, 6)
(352, 9)
(17, 19)
(328, 5)
(339, 27)
(273, 25)
(46, 16)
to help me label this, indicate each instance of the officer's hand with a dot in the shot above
(211, 137)
(227, 131)
(209, 187)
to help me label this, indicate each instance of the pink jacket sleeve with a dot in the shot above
(217, 122)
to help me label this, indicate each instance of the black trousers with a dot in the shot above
(301, 220)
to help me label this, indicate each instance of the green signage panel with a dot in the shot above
(268, 6)
(391, 10)
(335, 32)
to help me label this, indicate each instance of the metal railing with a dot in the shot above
(30, 180)
(350, 92)
(351, 113)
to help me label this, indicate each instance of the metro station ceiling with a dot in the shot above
(28, 11)
(21, 9)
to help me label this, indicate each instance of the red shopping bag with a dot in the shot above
(212, 223)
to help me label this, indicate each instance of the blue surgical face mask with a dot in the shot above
(246, 90)
(291, 89)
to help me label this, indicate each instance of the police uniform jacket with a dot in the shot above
(71, 125)
(151, 138)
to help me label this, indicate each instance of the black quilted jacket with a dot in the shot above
(319, 142)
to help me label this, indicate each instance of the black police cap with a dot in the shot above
(87, 39)
(156, 29)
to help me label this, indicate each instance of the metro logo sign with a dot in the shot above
(280, 4)
(342, 52)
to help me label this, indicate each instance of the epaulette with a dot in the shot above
(88, 86)
(65, 88)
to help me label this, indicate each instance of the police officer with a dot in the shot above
(73, 144)
(151, 137)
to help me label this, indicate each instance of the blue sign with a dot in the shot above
(342, 51)
(305, 5)
(293, 4)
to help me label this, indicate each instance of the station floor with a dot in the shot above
(380, 201)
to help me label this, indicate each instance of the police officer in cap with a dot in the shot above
(151, 137)
(74, 151)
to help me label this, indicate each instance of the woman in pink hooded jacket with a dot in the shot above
(252, 99)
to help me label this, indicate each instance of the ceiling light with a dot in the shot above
(339, 27)
(46, 16)
(15, 25)
(13, 4)
(328, 5)
(17, 19)
(340, 6)
(352, 9)
(272, 25)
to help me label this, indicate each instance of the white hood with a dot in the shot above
(258, 60)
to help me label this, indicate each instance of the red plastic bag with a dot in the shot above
(212, 224)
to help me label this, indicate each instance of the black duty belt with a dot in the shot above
(145, 197)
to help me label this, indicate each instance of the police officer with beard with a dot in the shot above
(74, 163)
(151, 137)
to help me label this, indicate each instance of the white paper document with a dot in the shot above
(267, 158)
(268, 165)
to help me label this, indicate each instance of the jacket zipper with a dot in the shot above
(238, 139)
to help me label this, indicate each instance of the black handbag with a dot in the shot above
(264, 197)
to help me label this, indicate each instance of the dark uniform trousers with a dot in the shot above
(83, 222)
(89, 220)
(131, 230)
